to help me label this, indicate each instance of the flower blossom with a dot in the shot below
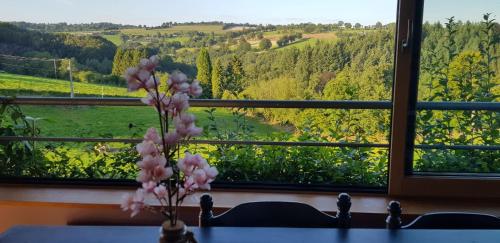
(152, 135)
(195, 89)
(149, 186)
(133, 202)
(149, 64)
(160, 191)
(150, 162)
(177, 83)
(172, 138)
(131, 77)
(162, 173)
(179, 102)
(186, 128)
(147, 148)
(153, 168)
(152, 83)
(198, 173)
(158, 147)
(190, 162)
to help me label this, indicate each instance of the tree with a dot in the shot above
(233, 76)
(204, 70)
(265, 44)
(378, 25)
(117, 63)
(348, 25)
(125, 58)
(217, 79)
(244, 46)
(357, 26)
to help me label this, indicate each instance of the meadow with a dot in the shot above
(92, 121)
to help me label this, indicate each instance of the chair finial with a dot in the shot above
(343, 207)
(206, 205)
(393, 221)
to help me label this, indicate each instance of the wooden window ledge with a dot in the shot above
(62, 205)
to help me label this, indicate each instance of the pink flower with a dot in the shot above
(190, 184)
(151, 84)
(151, 100)
(132, 79)
(200, 176)
(190, 131)
(127, 201)
(144, 176)
(172, 138)
(195, 89)
(190, 162)
(179, 102)
(177, 78)
(184, 126)
(155, 59)
(205, 186)
(134, 202)
(143, 76)
(160, 191)
(187, 118)
(147, 148)
(152, 135)
(180, 88)
(211, 172)
(138, 202)
(149, 186)
(149, 162)
(161, 173)
(149, 64)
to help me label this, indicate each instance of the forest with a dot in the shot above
(340, 61)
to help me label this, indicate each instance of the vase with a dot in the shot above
(177, 233)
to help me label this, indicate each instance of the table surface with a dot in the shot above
(139, 234)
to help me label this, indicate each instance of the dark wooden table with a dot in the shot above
(127, 234)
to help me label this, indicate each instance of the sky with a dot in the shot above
(155, 12)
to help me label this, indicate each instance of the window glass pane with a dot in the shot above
(460, 43)
(240, 50)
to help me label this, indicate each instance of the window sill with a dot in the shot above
(100, 205)
(361, 203)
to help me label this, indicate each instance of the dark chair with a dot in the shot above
(276, 214)
(445, 220)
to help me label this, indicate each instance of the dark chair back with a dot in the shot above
(275, 214)
(445, 220)
(454, 221)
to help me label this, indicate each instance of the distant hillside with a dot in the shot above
(65, 27)
(17, 41)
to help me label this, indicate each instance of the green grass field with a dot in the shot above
(85, 121)
(114, 38)
(21, 85)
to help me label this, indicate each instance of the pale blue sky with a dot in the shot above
(155, 12)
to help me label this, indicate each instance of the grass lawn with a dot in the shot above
(85, 121)
(18, 85)
(114, 38)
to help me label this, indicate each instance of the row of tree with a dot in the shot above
(93, 52)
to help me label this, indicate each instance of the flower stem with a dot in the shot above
(165, 149)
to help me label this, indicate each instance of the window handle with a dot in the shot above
(409, 33)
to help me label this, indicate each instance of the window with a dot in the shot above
(290, 104)
(451, 141)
